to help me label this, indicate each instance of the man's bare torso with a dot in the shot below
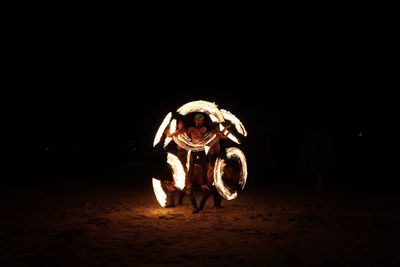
(196, 134)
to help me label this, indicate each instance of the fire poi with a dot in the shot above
(198, 159)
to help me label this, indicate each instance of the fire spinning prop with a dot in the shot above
(230, 172)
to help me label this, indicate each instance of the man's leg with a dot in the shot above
(194, 203)
(181, 196)
(206, 194)
(171, 200)
(217, 197)
(203, 163)
(192, 199)
(191, 168)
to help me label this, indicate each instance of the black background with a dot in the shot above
(86, 86)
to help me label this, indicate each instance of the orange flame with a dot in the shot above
(231, 153)
(235, 121)
(202, 106)
(161, 129)
(178, 172)
(159, 192)
(172, 128)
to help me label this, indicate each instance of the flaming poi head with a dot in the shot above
(230, 172)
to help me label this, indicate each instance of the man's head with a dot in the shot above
(198, 120)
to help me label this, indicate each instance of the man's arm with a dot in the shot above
(180, 129)
(227, 127)
(222, 135)
(168, 134)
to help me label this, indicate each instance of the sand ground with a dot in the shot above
(118, 222)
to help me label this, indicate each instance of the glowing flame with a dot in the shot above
(172, 128)
(161, 129)
(188, 159)
(213, 118)
(230, 135)
(219, 183)
(178, 172)
(159, 192)
(184, 141)
(233, 138)
(206, 148)
(235, 154)
(235, 121)
(202, 106)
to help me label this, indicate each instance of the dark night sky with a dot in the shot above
(84, 81)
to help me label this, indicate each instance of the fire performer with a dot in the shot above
(198, 158)
(226, 170)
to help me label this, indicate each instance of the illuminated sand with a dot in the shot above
(120, 223)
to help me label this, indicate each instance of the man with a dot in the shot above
(198, 158)
(196, 133)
